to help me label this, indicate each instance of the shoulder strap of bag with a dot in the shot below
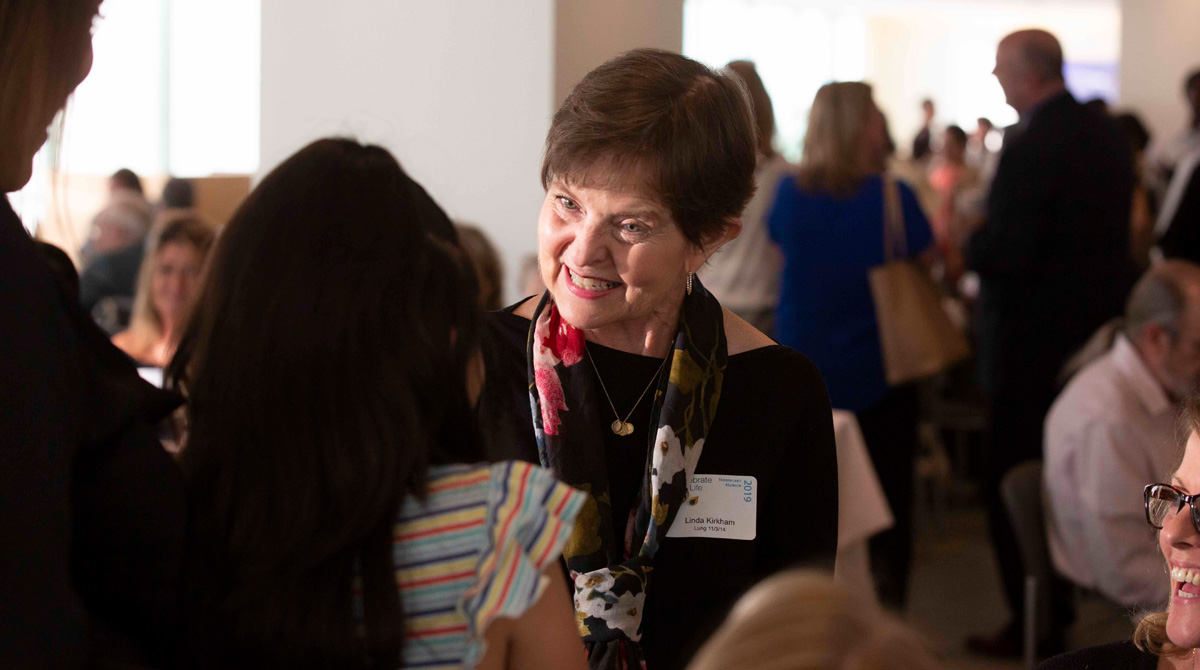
(895, 244)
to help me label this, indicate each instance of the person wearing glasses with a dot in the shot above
(1107, 434)
(706, 448)
(1163, 640)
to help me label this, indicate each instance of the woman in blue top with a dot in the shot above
(828, 221)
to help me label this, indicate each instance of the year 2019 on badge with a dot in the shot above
(718, 506)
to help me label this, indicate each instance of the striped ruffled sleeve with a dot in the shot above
(530, 515)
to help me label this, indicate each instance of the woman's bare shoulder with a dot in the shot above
(527, 308)
(125, 341)
(143, 350)
(742, 336)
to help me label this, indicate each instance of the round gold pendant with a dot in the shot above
(621, 428)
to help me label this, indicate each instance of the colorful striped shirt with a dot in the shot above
(474, 550)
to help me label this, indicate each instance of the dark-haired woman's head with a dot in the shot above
(178, 194)
(954, 144)
(1135, 132)
(648, 165)
(325, 367)
(1191, 89)
(45, 51)
(125, 180)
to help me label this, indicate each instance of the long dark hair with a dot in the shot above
(324, 367)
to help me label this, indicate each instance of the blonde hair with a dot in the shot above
(1151, 632)
(175, 227)
(831, 161)
(804, 620)
(1151, 636)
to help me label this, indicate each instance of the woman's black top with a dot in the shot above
(773, 422)
(92, 509)
(1112, 656)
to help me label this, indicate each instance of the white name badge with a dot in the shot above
(720, 506)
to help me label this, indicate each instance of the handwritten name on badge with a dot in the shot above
(719, 506)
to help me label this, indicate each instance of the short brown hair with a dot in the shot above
(687, 128)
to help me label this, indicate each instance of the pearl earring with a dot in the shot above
(689, 283)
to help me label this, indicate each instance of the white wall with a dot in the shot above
(460, 90)
(589, 32)
(796, 48)
(1160, 42)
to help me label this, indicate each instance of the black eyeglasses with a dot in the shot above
(1164, 499)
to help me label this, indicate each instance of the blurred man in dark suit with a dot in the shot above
(1054, 262)
(1179, 221)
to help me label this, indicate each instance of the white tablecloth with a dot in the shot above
(862, 508)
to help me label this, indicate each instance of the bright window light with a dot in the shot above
(796, 49)
(215, 76)
(174, 89)
(115, 117)
(906, 49)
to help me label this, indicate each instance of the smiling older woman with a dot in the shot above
(706, 448)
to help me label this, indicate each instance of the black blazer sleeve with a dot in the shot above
(92, 509)
(1007, 243)
(1182, 239)
(800, 527)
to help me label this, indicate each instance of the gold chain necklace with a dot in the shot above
(621, 426)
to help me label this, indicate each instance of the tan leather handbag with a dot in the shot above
(917, 337)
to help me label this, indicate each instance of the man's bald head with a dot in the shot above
(1162, 320)
(1162, 295)
(1038, 51)
(1029, 66)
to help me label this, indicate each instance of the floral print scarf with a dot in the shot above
(569, 419)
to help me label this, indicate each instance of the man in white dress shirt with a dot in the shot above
(1112, 431)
